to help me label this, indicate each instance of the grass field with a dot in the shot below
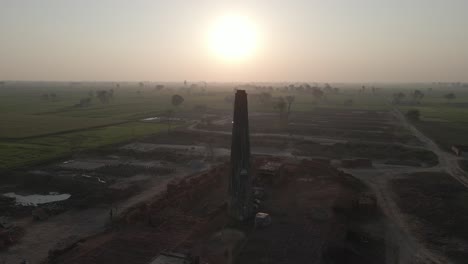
(445, 122)
(31, 151)
(36, 129)
(21, 126)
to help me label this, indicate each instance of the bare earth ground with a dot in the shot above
(40, 237)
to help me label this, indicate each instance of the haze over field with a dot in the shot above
(335, 41)
(233, 131)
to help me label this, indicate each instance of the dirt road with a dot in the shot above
(447, 161)
(410, 249)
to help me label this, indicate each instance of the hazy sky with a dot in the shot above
(151, 40)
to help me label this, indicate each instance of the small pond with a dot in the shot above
(36, 199)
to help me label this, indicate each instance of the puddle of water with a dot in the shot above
(36, 199)
(152, 119)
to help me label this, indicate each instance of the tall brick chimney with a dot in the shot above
(240, 182)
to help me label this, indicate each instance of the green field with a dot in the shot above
(36, 129)
(21, 125)
(444, 121)
(35, 150)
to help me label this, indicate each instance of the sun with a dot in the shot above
(233, 38)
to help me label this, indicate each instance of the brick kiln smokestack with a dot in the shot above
(240, 183)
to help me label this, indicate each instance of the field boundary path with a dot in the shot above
(316, 139)
(447, 161)
(411, 249)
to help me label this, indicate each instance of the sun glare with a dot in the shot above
(233, 38)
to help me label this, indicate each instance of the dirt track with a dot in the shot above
(411, 249)
(447, 161)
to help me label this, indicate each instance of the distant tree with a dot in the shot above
(141, 84)
(317, 93)
(327, 87)
(289, 99)
(413, 115)
(103, 96)
(265, 98)
(281, 106)
(159, 87)
(417, 96)
(111, 94)
(450, 96)
(177, 100)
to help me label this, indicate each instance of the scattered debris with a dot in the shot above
(262, 220)
(269, 168)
